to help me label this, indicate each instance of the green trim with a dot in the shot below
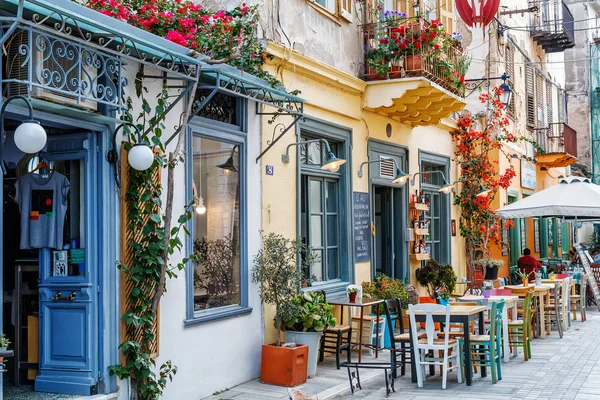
(555, 243)
(543, 237)
(566, 243)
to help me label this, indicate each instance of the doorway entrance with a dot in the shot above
(389, 238)
(52, 247)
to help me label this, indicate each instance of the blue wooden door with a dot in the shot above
(68, 361)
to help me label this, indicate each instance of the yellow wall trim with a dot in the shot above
(304, 65)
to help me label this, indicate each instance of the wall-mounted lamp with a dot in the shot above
(483, 191)
(30, 137)
(229, 165)
(400, 178)
(332, 163)
(140, 156)
(506, 94)
(446, 188)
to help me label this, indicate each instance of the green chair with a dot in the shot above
(519, 331)
(486, 350)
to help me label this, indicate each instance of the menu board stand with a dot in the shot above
(584, 257)
(362, 227)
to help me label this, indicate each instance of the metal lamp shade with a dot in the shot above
(228, 165)
(333, 163)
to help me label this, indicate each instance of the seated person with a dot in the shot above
(528, 264)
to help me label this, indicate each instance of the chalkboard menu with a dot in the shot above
(585, 258)
(362, 227)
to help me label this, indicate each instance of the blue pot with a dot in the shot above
(442, 302)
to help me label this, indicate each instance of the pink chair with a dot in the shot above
(562, 276)
(501, 292)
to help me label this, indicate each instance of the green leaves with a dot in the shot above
(309, 313)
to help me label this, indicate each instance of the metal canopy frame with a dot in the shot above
(96, 45)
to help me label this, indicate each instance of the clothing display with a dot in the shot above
(42, 200)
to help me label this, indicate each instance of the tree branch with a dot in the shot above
(233, 56)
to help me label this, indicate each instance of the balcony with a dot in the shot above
(557, 145)
(414, 69)
(552, 26)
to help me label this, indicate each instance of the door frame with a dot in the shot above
(401, 268)
(106, 275)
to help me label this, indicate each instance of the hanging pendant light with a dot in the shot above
(229, 165)
(477, 13)
(30, 137)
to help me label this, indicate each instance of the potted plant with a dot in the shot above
(384, 287)
(439, 280)
(487, 291)
(4, 342)
(490, 267)
(352, 293)
(524, 277)
(311, 315)
(276, 273)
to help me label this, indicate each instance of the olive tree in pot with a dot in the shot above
(439, 280)
(311, 316)
(276, 272)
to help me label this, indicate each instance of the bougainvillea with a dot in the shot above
(477, 138)
(228, 36)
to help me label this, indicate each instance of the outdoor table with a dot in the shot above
(509, 302)
(458, 314)
(541, 292)
(361, 304)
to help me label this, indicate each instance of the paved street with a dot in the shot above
(567, 368)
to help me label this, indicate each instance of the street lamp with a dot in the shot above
(332, 163)
(30, 137)
(506, 94)
(400, 177)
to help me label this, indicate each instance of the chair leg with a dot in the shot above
(349, 346)
(419, 368)
(559, 322)
(403, 360)
(338, 345)
(459, 368)
(445, 369)
(322, 349)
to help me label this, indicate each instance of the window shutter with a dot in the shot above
(510, 70)
(529, 90)
(386, 167)
(127, 254)
(565, 237)
(446, 14)
(539, 101)
(561, 106)
(345, 8)
(543, 237)
(549, 101)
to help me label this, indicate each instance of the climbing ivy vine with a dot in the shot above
(149, 265)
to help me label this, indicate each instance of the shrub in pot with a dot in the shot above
(352, 293)
(384, 287)
(276, 273)
(4, 342)
(439, 280)
(489, 266)
(311, 315)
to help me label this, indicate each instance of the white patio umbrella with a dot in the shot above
(574, 197)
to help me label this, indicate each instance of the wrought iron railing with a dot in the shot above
(552, 25)
(413, 47)
(556, 138)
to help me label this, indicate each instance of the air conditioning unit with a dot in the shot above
(17, 68)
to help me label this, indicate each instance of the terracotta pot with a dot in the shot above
(413, 62)
(525, 282)
(283, 366)
(395, 72)
(372, 75)
(352, 296)
(428, 300)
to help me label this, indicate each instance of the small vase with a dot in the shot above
(525, 282)
(352, 297)
(487, 293)
(538, 281)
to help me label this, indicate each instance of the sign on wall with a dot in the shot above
(527, 174)
(362, 227)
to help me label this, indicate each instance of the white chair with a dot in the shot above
(426, 348)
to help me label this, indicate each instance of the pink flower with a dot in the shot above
(176, 37)
(186, 23)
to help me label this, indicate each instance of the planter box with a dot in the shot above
(310, 339)
(283, 366)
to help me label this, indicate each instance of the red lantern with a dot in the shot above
(477, 13)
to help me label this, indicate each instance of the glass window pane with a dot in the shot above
(317, 268)
(331, 196)
(216, 256)
(332, 230)
(316, 231)
(316, 196)
(332, 263)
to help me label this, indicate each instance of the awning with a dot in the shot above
(94, 46)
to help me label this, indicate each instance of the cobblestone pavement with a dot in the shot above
(567, 368)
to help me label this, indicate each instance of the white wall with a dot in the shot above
(222, 354)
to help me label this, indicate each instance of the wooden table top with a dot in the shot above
(507, 299)
(457, 310)
(537, 289)
(344, 301)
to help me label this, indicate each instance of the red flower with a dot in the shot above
(176, 37)
(436, 46)
(417, 45)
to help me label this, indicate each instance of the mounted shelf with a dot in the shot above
(421, 232)
(419, 206)
(421, 256)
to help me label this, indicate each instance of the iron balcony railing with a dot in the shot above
(413, 47)
(552, 25)
(556, 138)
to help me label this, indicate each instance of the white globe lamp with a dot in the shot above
(30, 137)
(140, 157)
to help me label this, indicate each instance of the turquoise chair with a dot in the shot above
(486, 350)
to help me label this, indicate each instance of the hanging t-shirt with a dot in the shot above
(42, 203)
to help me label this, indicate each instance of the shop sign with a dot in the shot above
(528, 176)
(362, 227)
